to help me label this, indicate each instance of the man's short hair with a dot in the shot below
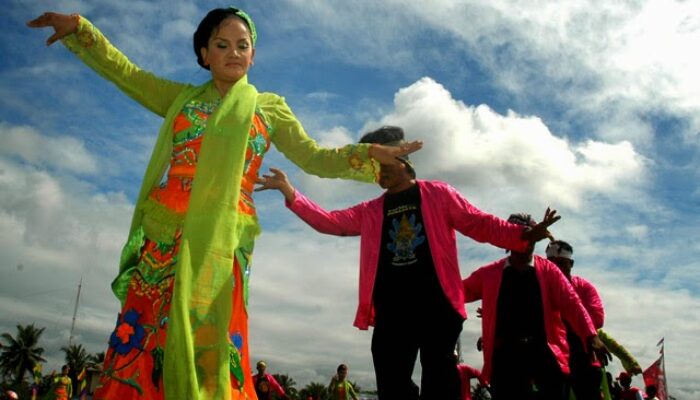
(385, 135)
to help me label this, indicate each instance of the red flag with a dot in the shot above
(655, 375)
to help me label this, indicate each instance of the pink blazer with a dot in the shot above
(559, 301)
(444, 211)
(466, 373)
(590, 299)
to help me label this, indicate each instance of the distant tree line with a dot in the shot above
(21, 352)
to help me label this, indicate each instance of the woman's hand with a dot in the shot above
(62, 24)
(278, 180)
(387, 154)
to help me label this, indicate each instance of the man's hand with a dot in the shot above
(278, 180)
(598, 351)
(538, 232)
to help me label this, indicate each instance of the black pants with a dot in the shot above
(395, 346)
(585, 380)
(527, 372)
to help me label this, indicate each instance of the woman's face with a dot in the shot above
(229, 53)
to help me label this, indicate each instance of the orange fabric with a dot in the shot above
(239, 324)
(131, 369)
(130, 375)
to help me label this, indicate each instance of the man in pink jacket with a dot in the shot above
(586, 376)
(410, 284)
(466, 373)
(525, 299)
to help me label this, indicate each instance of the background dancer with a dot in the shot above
(586, 375)
(409, 273)
(524, 299)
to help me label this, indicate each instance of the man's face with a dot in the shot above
(564, 264)
(626, 382)
(391, 176)
(261, 368)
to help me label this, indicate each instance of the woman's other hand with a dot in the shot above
(62, 24)
(387, 154)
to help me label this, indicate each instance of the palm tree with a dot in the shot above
(76, 359)
(288, 384)
(21, 353)
(96, 361)
(315, 389)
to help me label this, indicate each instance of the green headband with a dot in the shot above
(248, 21)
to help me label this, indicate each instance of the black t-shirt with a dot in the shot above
(406, 281)
(262, 387)
(521, 341)
(520, 315)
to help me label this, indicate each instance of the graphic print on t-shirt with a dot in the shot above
(405, 235)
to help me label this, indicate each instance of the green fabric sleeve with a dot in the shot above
(629, 363)
(289, 137)
(152, 92)
(351, 391)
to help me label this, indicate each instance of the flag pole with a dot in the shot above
(663, 366)
(75, 313)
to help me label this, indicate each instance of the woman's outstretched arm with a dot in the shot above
(90, 45)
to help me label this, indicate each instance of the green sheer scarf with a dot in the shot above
(196, 364)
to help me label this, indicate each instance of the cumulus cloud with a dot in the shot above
(62, 153)
(613, 69)
(55, 228)
(474, 146)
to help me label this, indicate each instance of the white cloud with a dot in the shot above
(55, 228)
(474, 146)
(625, 60)
(612, 67)
(62, 153)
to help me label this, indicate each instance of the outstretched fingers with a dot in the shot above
(274, 181)
(410, 147)
(550, 217)
(62, 24)
(40, 21)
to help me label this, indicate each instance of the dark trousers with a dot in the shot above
(585, 378)
(585, 381)
(395, 346)
(527, 372)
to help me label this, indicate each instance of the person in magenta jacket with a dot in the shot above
(409, 276)
(466, 373)
(586, 376)
(265, 384)
(525, 300)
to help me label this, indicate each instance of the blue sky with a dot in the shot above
(593, 109)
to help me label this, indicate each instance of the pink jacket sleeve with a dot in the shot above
(468, 372)
(276, 386)
(591, 301)
(480, 226)
(472, 287)
(570, 305)
(340, 222)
